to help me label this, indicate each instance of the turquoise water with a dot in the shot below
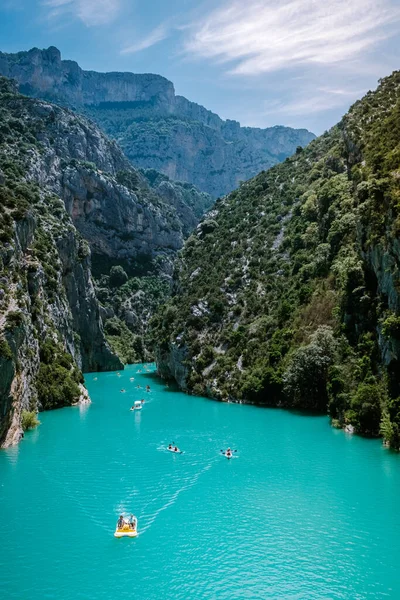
(305, 512)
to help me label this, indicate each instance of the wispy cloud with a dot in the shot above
(154, 37)
(257, 37)
(321, 100)
(90, 12)
(310, 56)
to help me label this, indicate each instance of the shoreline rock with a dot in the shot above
(84, 398)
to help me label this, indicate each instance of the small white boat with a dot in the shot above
(175, 450)
(138, 405)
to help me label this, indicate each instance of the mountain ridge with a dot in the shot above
(156, 128)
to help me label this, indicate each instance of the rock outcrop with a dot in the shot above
(42, 74)
(171, 364)
(155, 128)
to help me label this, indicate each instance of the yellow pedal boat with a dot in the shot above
(127, 529)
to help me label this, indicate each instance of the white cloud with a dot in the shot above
(157, 35)
(259, 37)
(309, 57)
(90, 12)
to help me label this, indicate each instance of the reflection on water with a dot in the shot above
(12, 452)
(83, 410)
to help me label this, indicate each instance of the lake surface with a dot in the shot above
(305, 512)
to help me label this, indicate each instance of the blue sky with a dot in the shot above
(262, 62)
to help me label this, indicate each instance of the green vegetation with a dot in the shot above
(58, 377)
(288, 294)
(129, 304)
(128, 346)
(117, 276)
(5, 350)
(29, 420)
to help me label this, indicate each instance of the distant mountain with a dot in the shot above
(155, 128)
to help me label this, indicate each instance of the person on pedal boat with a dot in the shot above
(120, 523)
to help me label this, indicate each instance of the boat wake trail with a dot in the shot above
(75, 498)
(150, 518)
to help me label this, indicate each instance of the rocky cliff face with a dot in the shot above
(42, 74)
(155, 128)
(59, 174)
(288, 292)
(190, 204)
(109, 202)
(50, 326)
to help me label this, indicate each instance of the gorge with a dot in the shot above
(284, 295)
(199, 309)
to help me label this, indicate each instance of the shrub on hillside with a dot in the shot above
(306, 378)
(29, 420)
(117, 276)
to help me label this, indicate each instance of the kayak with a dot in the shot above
(227, 454)
(174, 451)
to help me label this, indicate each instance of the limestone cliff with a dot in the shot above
(109, 201)
(50, 326)
(155, 128)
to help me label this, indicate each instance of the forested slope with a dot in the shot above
(289, 291)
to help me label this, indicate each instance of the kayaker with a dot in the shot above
(170, 447)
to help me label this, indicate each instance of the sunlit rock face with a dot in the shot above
(155, 128)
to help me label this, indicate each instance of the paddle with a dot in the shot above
(223, 451)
